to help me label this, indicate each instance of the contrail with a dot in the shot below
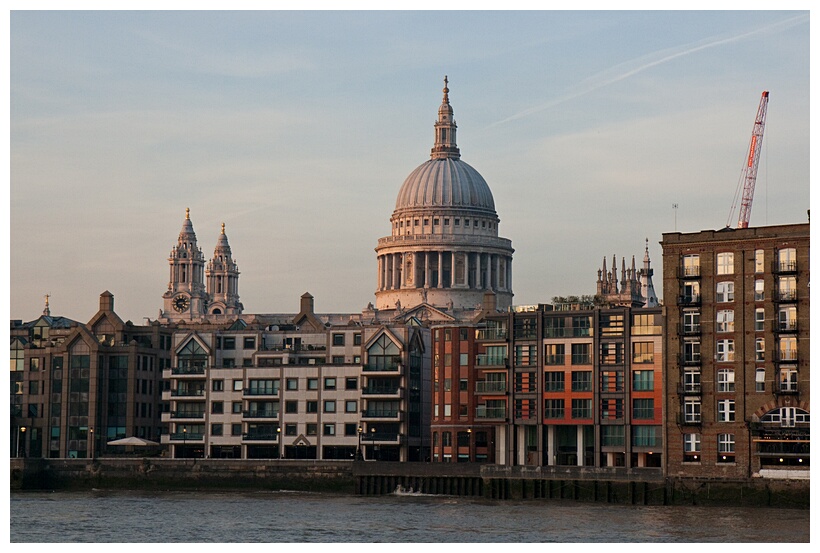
(606, 77)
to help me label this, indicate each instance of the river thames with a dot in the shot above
(297, 517)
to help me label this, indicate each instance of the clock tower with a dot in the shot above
(186, 298)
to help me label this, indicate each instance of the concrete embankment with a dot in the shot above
(625, 486)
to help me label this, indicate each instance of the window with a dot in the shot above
(249, 342)
(725, 350)
(759, 290)
(338, 339)
(725, 292)
(726, 380)
(291, 406)
(351, 406)
(312, 383)
(351, 429)
(787, 288)
(759, 261)
(554, 381)
(553, 354)
(311, 406)
(292, 383)
(357, 339)
(643, 352)
(691, 381)
(691, 322)
(217, 407)
(787, 259)
(329, 406)
(311, 428)
(330, 383)
(691, 448)
(290, 429)
(643, 381)
(217, 385)
(643, 409)
(646, 324)
(726, 320)
(787, 318)
(726, 448)
(236, 407)
(760, 380)
(338, 359)
(726, 410)
(580, 354)
(463, 359)
(760, 320)
(691, 265)
(787, 348)
(691, 410)
(581, 381)
(216, 430)
(581, 408)
(463, 385)
(725, 263)
(612, 353)
(351, 383)
(760, 349)
(581, 326)
(228, 342)
(788, 379)
(329, 429)
(554, 409)
(236, 429)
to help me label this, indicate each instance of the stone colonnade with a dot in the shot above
(445, 269)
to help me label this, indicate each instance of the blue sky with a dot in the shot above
(297, 129)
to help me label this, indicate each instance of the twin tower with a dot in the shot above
(444, 250)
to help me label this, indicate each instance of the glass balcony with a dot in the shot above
(484, 412)
(485, 360)
(491, 387)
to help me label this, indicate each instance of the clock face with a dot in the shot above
(181, 303)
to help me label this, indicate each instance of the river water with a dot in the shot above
(297, 517)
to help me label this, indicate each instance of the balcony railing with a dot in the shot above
(555, 332)
(186, 437)
(261, 436)
(483, 412)
(581, 359)
(689, 389)
(260, 414)
(392, 390)
(485, 360)
(784, 327)
(689, 299)
(782, 267)
(557, 359)
(692, 271)
(688, 329)
(689, 359)
(785, 296)
(383, 367)
(187, 414)
(786, 388)
(198, 392)
(491, 334)
(261, 391)
(787, 355)
(689, 419)
(491, 387)
(382, 413)
(182, 371)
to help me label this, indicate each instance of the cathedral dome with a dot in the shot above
(445, 183)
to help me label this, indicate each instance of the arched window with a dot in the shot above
(383, 355)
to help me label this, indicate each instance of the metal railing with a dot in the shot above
(490, 386)
(484, 360)
(484, 412)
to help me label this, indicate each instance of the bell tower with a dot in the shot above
(222, 277)
(186, 297)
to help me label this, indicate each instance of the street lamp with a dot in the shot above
(359, 449)
(279, 439)
(469, 444)
(91, 432)
(23, 439)
(184, 437)
(373, 442)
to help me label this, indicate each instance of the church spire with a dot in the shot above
(647, 288)
(445, 144)
(222, 278)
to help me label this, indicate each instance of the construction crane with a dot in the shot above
(748, 176)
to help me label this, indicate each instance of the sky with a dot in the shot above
(297, 128)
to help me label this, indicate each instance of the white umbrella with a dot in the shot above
(133, 440)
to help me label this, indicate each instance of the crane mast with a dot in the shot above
(749, 174)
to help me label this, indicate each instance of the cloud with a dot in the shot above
(633, 67)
